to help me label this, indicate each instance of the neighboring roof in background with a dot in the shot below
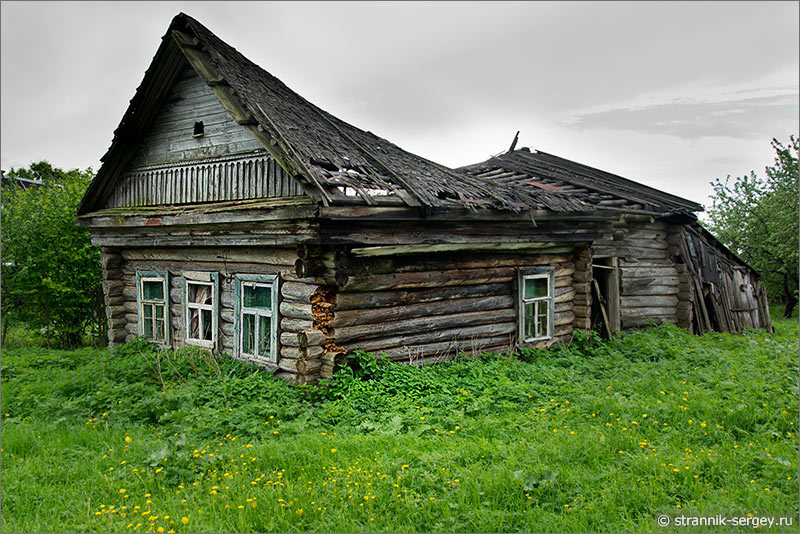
(24, 183)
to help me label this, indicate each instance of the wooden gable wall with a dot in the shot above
(171, 166)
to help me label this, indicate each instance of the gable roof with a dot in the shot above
(326, 155)
(525, 169)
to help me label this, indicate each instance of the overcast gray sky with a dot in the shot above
(671, 94)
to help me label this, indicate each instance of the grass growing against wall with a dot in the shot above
(592, 437)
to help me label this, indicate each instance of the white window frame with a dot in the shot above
(270, 281)
(202, 279)
(536, 273)
(163, 278)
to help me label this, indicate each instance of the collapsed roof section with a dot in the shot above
(524, 169)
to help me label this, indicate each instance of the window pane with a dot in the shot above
(194, 323)
(159, 334)
(263, 335)
(153, 290)
(207, 324)
(542, 320)
(248, 333)
(148, 321)
(530, 320)
(257, 297)
(199, 293)
(536, 287)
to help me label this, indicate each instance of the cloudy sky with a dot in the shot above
(670, 94)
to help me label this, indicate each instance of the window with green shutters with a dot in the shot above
(256, 317)
(152, 294)
(536, 304)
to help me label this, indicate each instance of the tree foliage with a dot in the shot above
(758, 219)
(46, 258)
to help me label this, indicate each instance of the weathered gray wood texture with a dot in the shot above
(421, 308)
(169, 139)
(649, 274)
(727, 294)
(176, 261)
(227, 162)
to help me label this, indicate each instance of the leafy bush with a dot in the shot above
(50, 269)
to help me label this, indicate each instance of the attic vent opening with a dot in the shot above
(199, 129)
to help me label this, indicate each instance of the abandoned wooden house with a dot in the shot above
(235, 215)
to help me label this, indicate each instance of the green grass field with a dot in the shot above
(591, 437)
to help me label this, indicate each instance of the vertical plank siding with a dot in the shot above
(223, 179)
(728, 292)
(171, 166)
(170, 138)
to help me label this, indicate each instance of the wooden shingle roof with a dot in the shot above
(602, 190)
(337, 163)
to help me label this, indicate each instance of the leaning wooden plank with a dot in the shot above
(423, 309)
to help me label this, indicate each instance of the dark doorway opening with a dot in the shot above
(605, 314)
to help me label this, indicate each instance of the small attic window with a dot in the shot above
(199, 129)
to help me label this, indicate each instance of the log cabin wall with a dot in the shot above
(427, 307)
(300, 344)
(649, 277)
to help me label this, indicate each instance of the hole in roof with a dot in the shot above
(199, 129)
